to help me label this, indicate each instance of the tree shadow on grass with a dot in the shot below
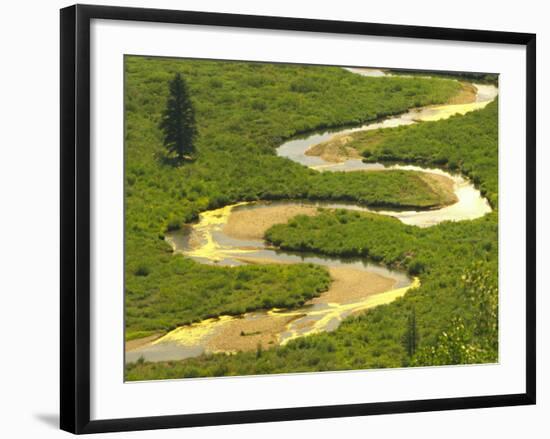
(174, 162)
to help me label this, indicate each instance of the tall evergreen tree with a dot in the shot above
(410, 338)
(178, 120)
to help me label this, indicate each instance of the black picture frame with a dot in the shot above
(75, 217)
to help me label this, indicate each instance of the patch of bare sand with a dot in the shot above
(131, 345)
(253, 223)
(466, 95)
(351, 285)
(348, 284)
(441, 185)
(247, 333)
(335, 150)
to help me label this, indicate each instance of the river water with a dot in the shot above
(207, 242)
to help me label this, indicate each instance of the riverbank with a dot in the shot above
(443, 186)
(252, 224)
(466, 95)
(352, 290)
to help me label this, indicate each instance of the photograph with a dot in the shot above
(296, 218)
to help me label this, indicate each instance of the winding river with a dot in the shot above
(232, 236)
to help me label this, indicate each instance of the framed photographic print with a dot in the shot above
(269, 218)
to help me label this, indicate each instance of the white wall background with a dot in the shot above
(29, 200)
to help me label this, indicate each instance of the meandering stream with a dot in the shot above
(358, 285)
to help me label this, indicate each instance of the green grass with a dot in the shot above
(243, 111)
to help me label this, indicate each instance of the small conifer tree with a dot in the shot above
(410, 338)
(178, 121)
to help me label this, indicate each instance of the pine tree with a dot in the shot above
(410, 338)
(178, 120)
